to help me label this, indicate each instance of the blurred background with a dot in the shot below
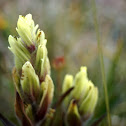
(69, 29)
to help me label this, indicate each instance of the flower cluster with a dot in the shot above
(82, 100)
(33, 83)
(31, 74)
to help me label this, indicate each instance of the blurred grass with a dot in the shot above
(113, 92)
(99, 43)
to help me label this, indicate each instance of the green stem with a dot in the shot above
(101, 61)
(58, 84)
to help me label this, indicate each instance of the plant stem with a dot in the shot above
(101, 60)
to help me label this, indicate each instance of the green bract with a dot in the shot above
(73, 116)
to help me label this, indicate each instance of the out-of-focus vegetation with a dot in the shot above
(69, 29)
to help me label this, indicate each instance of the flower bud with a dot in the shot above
(42, 64)
(18, 49)
(40, 37)
(27, 29)
(88, 104)
(30, 81)
(67, 84)
(47, 89)
(73, 116)
(41, 54)
(45, 67)
(80, 84)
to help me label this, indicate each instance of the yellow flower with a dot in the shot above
(32, 72)
(84, 92)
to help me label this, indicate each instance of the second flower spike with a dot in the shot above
(84, 93)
